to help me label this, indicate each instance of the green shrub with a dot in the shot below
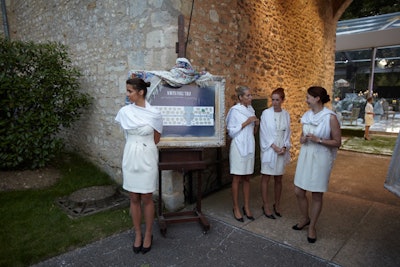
(38, 95)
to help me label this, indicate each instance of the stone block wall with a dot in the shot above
(106, 39)
(268, 44)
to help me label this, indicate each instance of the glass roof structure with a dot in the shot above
(375, 31)
(367, 55)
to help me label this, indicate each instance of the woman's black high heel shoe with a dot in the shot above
(311, 240)
(248, 217)
(268, 216)
(145, 250)
(297, 228)
(237, 219)
(136, 250)
(277, 213)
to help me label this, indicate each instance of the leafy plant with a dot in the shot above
(39, 94)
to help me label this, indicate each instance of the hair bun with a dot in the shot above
(148, 84)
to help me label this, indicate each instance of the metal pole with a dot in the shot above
(372, 73)
(5, 20)
(181, 36)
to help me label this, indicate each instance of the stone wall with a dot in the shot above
(268, 44)
(106, 39)
(259, 43)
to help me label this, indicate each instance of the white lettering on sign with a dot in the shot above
(179, 93)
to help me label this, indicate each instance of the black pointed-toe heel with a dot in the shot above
(277, 213)
(147, 249)
(136, 250)
(311, 240)
(268, 216)
(297, 228)
(248, 217)
(237, 219)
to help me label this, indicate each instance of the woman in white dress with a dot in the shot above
(242, 124)
(142, 125)
(274, 146)
(369, 117)
(320, 139)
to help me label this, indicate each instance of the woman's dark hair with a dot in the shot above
(139, 84)
(369, 98)
(279, 91)
(319, 91)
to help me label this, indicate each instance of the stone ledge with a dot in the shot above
(91, 200)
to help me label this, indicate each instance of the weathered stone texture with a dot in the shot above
(265, 45)
(106, 39)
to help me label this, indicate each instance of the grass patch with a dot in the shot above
(352, 132)
(382, 145)
(34, 228)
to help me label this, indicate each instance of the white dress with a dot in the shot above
(240, 165)
(369, 118)
(274, 129)
(242, 149)
(140, 161)
(315, 161)
(280, 129)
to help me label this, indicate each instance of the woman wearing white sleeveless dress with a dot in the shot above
(242, 124)
(142, 125)
(320, 139)
(274, 147)
(369, 117)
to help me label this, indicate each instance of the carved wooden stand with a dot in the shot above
(181, 160)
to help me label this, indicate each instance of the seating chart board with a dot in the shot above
(193, 116)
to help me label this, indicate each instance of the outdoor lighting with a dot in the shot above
(382, 63)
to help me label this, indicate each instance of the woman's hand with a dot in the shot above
(251, 120)
(278, 150)
(312, 138)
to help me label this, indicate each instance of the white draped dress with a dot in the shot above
(140, 159)
(274, 129)
(242, 149)
(315, 161)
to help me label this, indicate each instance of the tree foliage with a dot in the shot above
(366, 8)
(39, 94)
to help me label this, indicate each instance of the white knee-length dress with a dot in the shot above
(280, 163)
(240, 165)
(314, 165)
(140, 161)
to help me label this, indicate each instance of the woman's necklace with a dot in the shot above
(278, 120)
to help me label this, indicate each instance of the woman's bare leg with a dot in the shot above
(278, 192)
(136, 214)
(302, 202)
(246, 195)
(264, 193)
(235, 195)
(148, 207)
(316, 207)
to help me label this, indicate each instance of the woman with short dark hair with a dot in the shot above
(320, 140)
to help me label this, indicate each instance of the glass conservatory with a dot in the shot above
(367, 61)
